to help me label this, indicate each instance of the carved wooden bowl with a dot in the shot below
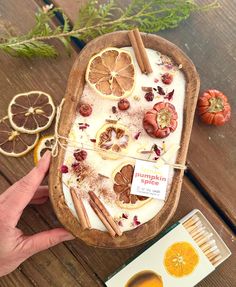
(74, 90)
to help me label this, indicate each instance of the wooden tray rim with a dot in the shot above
(74, 90)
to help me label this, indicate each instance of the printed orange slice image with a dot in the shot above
(181, 259)
(111, 73)
(146, 278)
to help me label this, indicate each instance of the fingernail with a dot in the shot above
(68, 236)
(46, 157)
(47, 154)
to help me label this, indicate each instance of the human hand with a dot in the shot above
(15, 247)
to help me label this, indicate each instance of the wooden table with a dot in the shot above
(210, 41)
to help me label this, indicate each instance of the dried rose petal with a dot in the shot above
(169, 66)
(156, 80)
(137, 135)
(93, 140)
(136, 221)
(147, 89)
(76, 167)
(80, 155)
(169, 96)
(149, 96)
(160, 91)
(114, 109)
(64, 169)
(120, 223)
(125, 215)
(157, 150)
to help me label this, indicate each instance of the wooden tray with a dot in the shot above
(74, 90)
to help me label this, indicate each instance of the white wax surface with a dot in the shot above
(131, 119)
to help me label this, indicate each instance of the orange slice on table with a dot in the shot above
(31, 112)
(181, 259)
(123, 177)
(14, 143)
(111, 73)
(112, 140)
(45, 143)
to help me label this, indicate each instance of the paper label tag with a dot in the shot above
(150, 181)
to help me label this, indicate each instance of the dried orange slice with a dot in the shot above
(181, 259)
(111, 73)
(14, 143)
(112, 140)
(123, 177)
(31, 112)
(45, 143)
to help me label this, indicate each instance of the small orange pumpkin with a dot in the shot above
(213, 108)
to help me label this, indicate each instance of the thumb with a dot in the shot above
(44, 240)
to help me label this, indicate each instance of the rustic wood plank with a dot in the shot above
(102, 260)
(16, 278)
(210, 41)
(48, 75)
(106, 261)
(20, 75)
(43, 268)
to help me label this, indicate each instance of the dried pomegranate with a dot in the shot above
(213, 108)
(149, 96)
(85, 110)
(123, 179)
(64, 169)
(113, 139)
(167, 78)
(161, 120)
(123, 104)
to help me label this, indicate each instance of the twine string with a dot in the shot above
(66, 143)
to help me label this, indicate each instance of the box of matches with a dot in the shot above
(181, 256)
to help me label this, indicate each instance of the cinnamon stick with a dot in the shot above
(136, 50)
(143, 52)
(102, 218)
(80, 210)
(105, 212)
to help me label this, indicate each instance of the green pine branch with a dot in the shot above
(94, 20)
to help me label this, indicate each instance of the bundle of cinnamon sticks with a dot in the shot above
(140, 51)
(99, 208)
